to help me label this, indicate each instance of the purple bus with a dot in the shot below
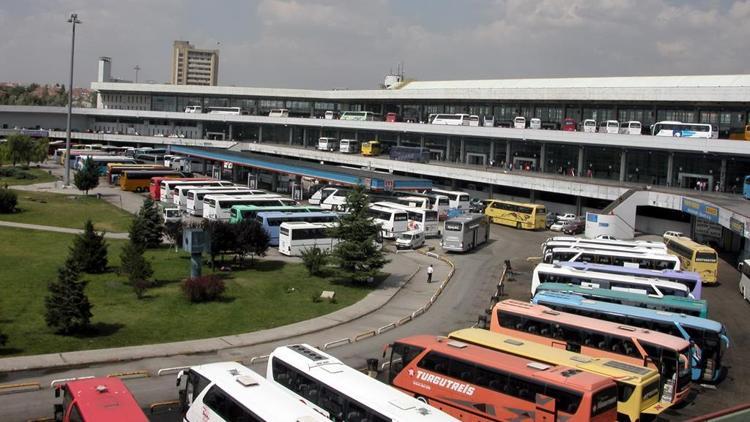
(688, 278)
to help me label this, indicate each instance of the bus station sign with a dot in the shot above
(701, 210)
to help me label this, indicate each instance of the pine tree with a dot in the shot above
(89, 250)
(152, 223)
(68, 310)
(137, 231)
(136, 267)
(356, 256)
(87, 177)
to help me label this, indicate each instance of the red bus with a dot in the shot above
(569, 125)
(97, 399)
(154, 187)
(472, 383)
(670, 355)
(391, 117)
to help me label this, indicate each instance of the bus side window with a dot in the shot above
(333, 403)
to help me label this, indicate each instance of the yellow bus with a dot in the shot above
(695, 257)
(140, 180)
(740, 134)
(371, 148)
(516, 214)
(637, 386)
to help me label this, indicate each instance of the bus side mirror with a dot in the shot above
(57, 392)
(385, 349)
(179, 378)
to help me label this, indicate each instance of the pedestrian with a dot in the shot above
(429, 273)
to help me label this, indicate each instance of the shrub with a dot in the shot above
(314, 259)
(204, 288)
(8, 201)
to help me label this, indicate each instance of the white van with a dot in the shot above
(609, 126)
(519, 122)
(473, 120)
(631, 127)
(349, 146)
(589, 125)
(328, 144)
(331, 115)
(193, 109)
(278, 112)
(413, 239)
(489, 121)
(535, 123)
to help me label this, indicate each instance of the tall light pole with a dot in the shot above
(74, 20)
(136, 68)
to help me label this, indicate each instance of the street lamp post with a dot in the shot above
(74, 20)
(136, 68)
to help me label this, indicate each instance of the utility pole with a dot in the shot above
(136, 68)
(74, 20)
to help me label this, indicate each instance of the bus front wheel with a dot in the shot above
(421, 398)
(518, 226)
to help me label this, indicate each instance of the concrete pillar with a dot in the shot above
(532, 195)
(579, 205)
(356, 135)
(291, 135)
(508, 159)
(398, 140)
(274, 182)
(462, 151)
(492, 190)
(260, 134)
(421, 141)
(448, 149)
(723, 175)
(623, 164)
(670, 168)
(304, 137)
(542, 158)
(492, 149)
(580, 161)
(231, 132)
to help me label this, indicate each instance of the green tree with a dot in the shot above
(136, 267)
(314, 259)
(8, 201)
(68, 310)
(17, 149)
(89, 250)
(152, 226)
(357, 257)
(173, 231)
(250, 238)
(87, 177)
(222, 238)
(137, 231)
(40, 151)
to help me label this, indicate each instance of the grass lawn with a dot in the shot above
(255, 299)
(33, 175)
(54, 209)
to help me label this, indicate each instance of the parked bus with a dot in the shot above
(417, 218)
(654, 261)
(740, 134)
(519, 122)
(271, 221)
(746, 187)
(569, 125)
(360, 116)
(180, 192)
(670, 355)
(474, 120)
(342, 393)
(328, 144)
(631, 127)
(392, 117)
(674, 304)
(744, 268)
(554, 273)
(140, 180)
(392, 221)
(478, 384)
(710, 336)
(335, 200)
(194, 196)
(691, 280)
(297, 236)
(371, 149)
(193, 109)
(637, 387)
(465, 232)
(155, 184)
(682, 130)
(166, 187)
(456, 199)
(226, 110)
(349, 146)
(451, 119)
(249, 212)
(331, 115)
(516, 214)
(695, 257)
(583, 243)
(228, 392)
(96, 399)
(589, 125)
(609, 126)
(278, 112)
(216, 207)
(321, 194)
(100, 162)
(437, 203)
(114, 170)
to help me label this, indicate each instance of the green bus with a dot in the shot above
(248, 212)
(675, 304)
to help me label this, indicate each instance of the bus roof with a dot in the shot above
(105, 399)
(651, 253)
(568, 270)
(306, 225)
(622, 371)
(531, 368)
(281, 207)
(523, 204)
(187, 180)
(690, 243)
(255, 393)
(278, 214)
(385, 208)
(543, 312)
(639, 272)
(465, 218)
(696, 305)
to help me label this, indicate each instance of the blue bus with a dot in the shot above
(101, 161)
(270, 221)
(674, 304)
(710, 336)
(690, 279)
(746, 188)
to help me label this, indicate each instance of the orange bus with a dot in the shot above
(472, 383)
(114, 170)
(140, 180)
(670, 355)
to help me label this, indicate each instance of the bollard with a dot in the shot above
(372, 367)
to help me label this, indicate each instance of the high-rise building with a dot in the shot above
(191, 66)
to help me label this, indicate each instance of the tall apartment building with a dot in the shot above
(191, 66)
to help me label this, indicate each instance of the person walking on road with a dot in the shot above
(429, 273)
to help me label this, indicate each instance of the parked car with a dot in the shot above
(670, 234)
(476, 205)
(557, 226)
(566, 217)
(551, 219)
(412, 239)
(606, 237)
(574, 227)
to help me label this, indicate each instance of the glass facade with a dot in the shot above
(525, 155)
(163, 103)
(603, 162)
(690, 168)
(649, 167)
(560, 158)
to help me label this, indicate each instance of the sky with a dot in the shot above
(324, 44)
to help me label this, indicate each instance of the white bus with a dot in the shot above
(194, 202)
(465, 232)
(193, 109)
(226, 110)
(589, 125)
(335, 201)
(342, 393)
(623, 259)
(297, 236)
(456, 199)
(179, 190)
(360, 116)
(744, 268)
(519, 122)
(682, 130)
(349, 146)
(631, 127)
(331, 115)
(473, 120)
(278, 112)
(321, 194)
(417, 218)
(166, 186)
(549, 273)
(392, 221)
(228, 392)
(535, 123)
(609, 126)
(451, 119)
(328, 144)
(570, 241)
(218, 207)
